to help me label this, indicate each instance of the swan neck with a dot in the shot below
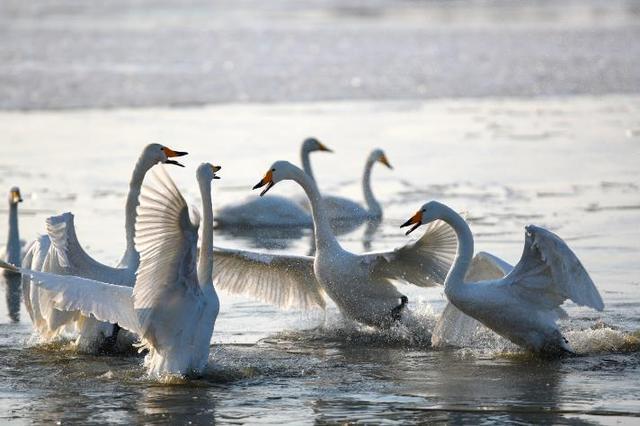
(372, 204)
(13, 241)
(131, 257)
(205, 262)
(325, 240)
(306, 162)
(464, 253)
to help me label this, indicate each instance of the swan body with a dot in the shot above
(344, 209)
(14, 250)
(522, 306)
(360, 285)
(272, 211)
(173, 305)
(65, 256)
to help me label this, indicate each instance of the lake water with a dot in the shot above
(569, 164)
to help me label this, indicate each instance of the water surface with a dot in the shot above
(569, 164)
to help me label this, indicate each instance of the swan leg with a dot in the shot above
(396, 313)
(108, 346)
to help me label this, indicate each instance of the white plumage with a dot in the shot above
(524, 305)
(272, 211)
(64, 255)
(171, 310)
(343, 209)
(360, 285)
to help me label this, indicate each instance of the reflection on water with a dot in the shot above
(13, 294)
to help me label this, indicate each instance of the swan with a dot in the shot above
(14, 250)
(360, 285)
(344, 209)
(60, 252)
(522, 306)
(173, 305)
(272, 211)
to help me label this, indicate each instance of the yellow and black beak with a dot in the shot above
(215, 170)
(16, 197)
(415, 220)
(170, 154)
(383, 159)
(323, 147)
(266, 180)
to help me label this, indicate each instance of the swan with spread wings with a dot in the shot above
(60, 252)
(173, 305)
(524, 305)
(361, 285)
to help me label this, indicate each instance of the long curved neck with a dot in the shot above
(13, 242)
(131, 258)
(325, 240)
(464, 253)
(205, 261)
(372, 204)
(306, 163)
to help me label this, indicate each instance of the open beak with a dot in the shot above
(215, 170)
(383, 159)
(323, 147)
(415, 220)
(171, 153)
(266, 180)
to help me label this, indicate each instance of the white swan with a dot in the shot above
(64, 255)
(14, 250)
(360, 285)
(272, 211)
(522, 306)
(344, 209)
(173, 305)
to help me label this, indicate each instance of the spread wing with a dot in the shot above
(281, 280)
(549, 273)
(73, 260)
(106, 302)
(166, 290)
(424, 262)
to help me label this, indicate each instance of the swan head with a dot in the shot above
(207, 172)
(14, 196)
(156, 153)
(280, 170)
(378, 156)
(313, 144)
(428, 213)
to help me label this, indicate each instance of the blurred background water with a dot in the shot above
(516, 112)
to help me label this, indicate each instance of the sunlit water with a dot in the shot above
(569, 164)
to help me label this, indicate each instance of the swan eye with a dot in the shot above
(423, 210)
(273, 170)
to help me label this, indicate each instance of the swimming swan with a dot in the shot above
(360, 285)
(173, 305)
(344, 209)
(272, 211)
(523, 306)
(14, 250)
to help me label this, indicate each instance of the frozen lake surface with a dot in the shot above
(569, 164)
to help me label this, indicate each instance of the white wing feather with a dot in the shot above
(549, 273)
(166, 278)
(281, 280)
(424, 262)
(72, 258)
(106, 302)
